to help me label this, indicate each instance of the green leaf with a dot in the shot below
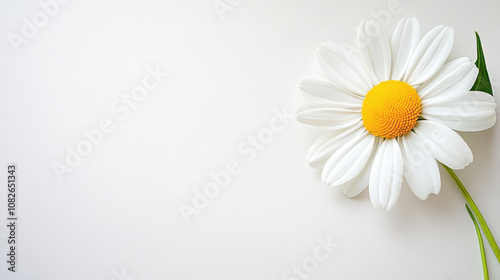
(483, 80)
(481, 244)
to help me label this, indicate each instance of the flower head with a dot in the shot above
(390, 109)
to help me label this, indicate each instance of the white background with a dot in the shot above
(116, 215)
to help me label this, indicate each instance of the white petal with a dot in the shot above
(378, 47)
(314, 86)
(343, 68)
(355, 186)
(457, 75)
(326, 114)
(324, 147)
(363, 53)
(386, 175)
(430, 55)
(420, 167)
(444, 144)
(404, 42)
(348, 161)
(462, 111)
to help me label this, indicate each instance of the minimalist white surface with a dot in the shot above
(224, 106)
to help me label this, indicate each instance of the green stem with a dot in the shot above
(476, 212)
(481, 244)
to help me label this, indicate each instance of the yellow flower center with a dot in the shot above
(391, 109)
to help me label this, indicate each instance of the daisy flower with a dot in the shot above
(391, 110)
